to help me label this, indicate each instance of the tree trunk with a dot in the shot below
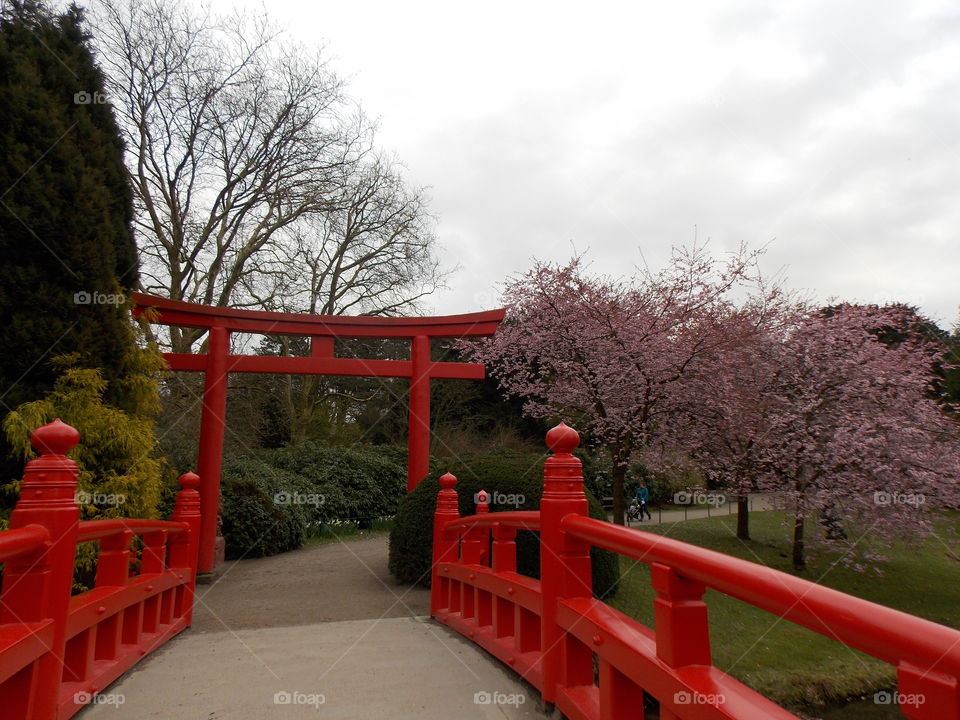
(619, 504)
(743, 517)
(799, 563)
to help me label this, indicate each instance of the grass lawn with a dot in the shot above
(792, 665)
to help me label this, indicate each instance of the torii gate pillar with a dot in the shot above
(213, 418)
(418, 437)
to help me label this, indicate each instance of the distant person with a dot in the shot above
(641, 497)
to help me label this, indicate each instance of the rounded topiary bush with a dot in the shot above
(256, 522)
(357, 484)
(514, 478)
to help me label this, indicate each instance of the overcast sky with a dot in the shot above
(830, 130)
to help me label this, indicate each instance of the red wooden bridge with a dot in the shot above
(58, 651)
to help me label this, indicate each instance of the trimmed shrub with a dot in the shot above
(358, 484)
(513, 477)
(271, 498)
(254, 523)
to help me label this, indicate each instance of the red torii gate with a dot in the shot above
(322, 330)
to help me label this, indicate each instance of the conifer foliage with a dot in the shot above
(65, 205)
(68, 262)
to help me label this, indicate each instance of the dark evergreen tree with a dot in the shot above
(67, 254)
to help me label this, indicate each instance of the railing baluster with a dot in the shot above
(153, 559)
(476, 540)
(113, 562)
(504, 560)
(620, 697)
(504, 549)
(680, 619)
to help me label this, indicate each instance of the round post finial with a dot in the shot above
(189, 481)
(482, 500)
(447, 481)
(563, 439)
(55, 438)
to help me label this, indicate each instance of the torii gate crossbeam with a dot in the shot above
(322, 330)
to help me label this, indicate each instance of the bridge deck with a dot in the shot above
(325, 629)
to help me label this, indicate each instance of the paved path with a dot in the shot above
(322, 632)
(697, 511)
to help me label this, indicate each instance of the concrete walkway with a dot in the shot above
(700, 510)
(319, 632)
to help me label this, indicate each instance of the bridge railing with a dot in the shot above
(594, 662)
(58, 650)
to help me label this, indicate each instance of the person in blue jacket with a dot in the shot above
(641, 497)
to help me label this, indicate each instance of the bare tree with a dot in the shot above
(254, 176)
(371, 253)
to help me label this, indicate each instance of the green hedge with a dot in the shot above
(254, 523)
(358, 484)
(505, 474)
(272, 498)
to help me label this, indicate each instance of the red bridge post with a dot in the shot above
(184, 549)
(564, 564)
(37, 588)
(444, 541)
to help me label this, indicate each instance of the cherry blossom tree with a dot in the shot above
(726, 423)
(839, 417)
(859, 438)
(610, 354)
